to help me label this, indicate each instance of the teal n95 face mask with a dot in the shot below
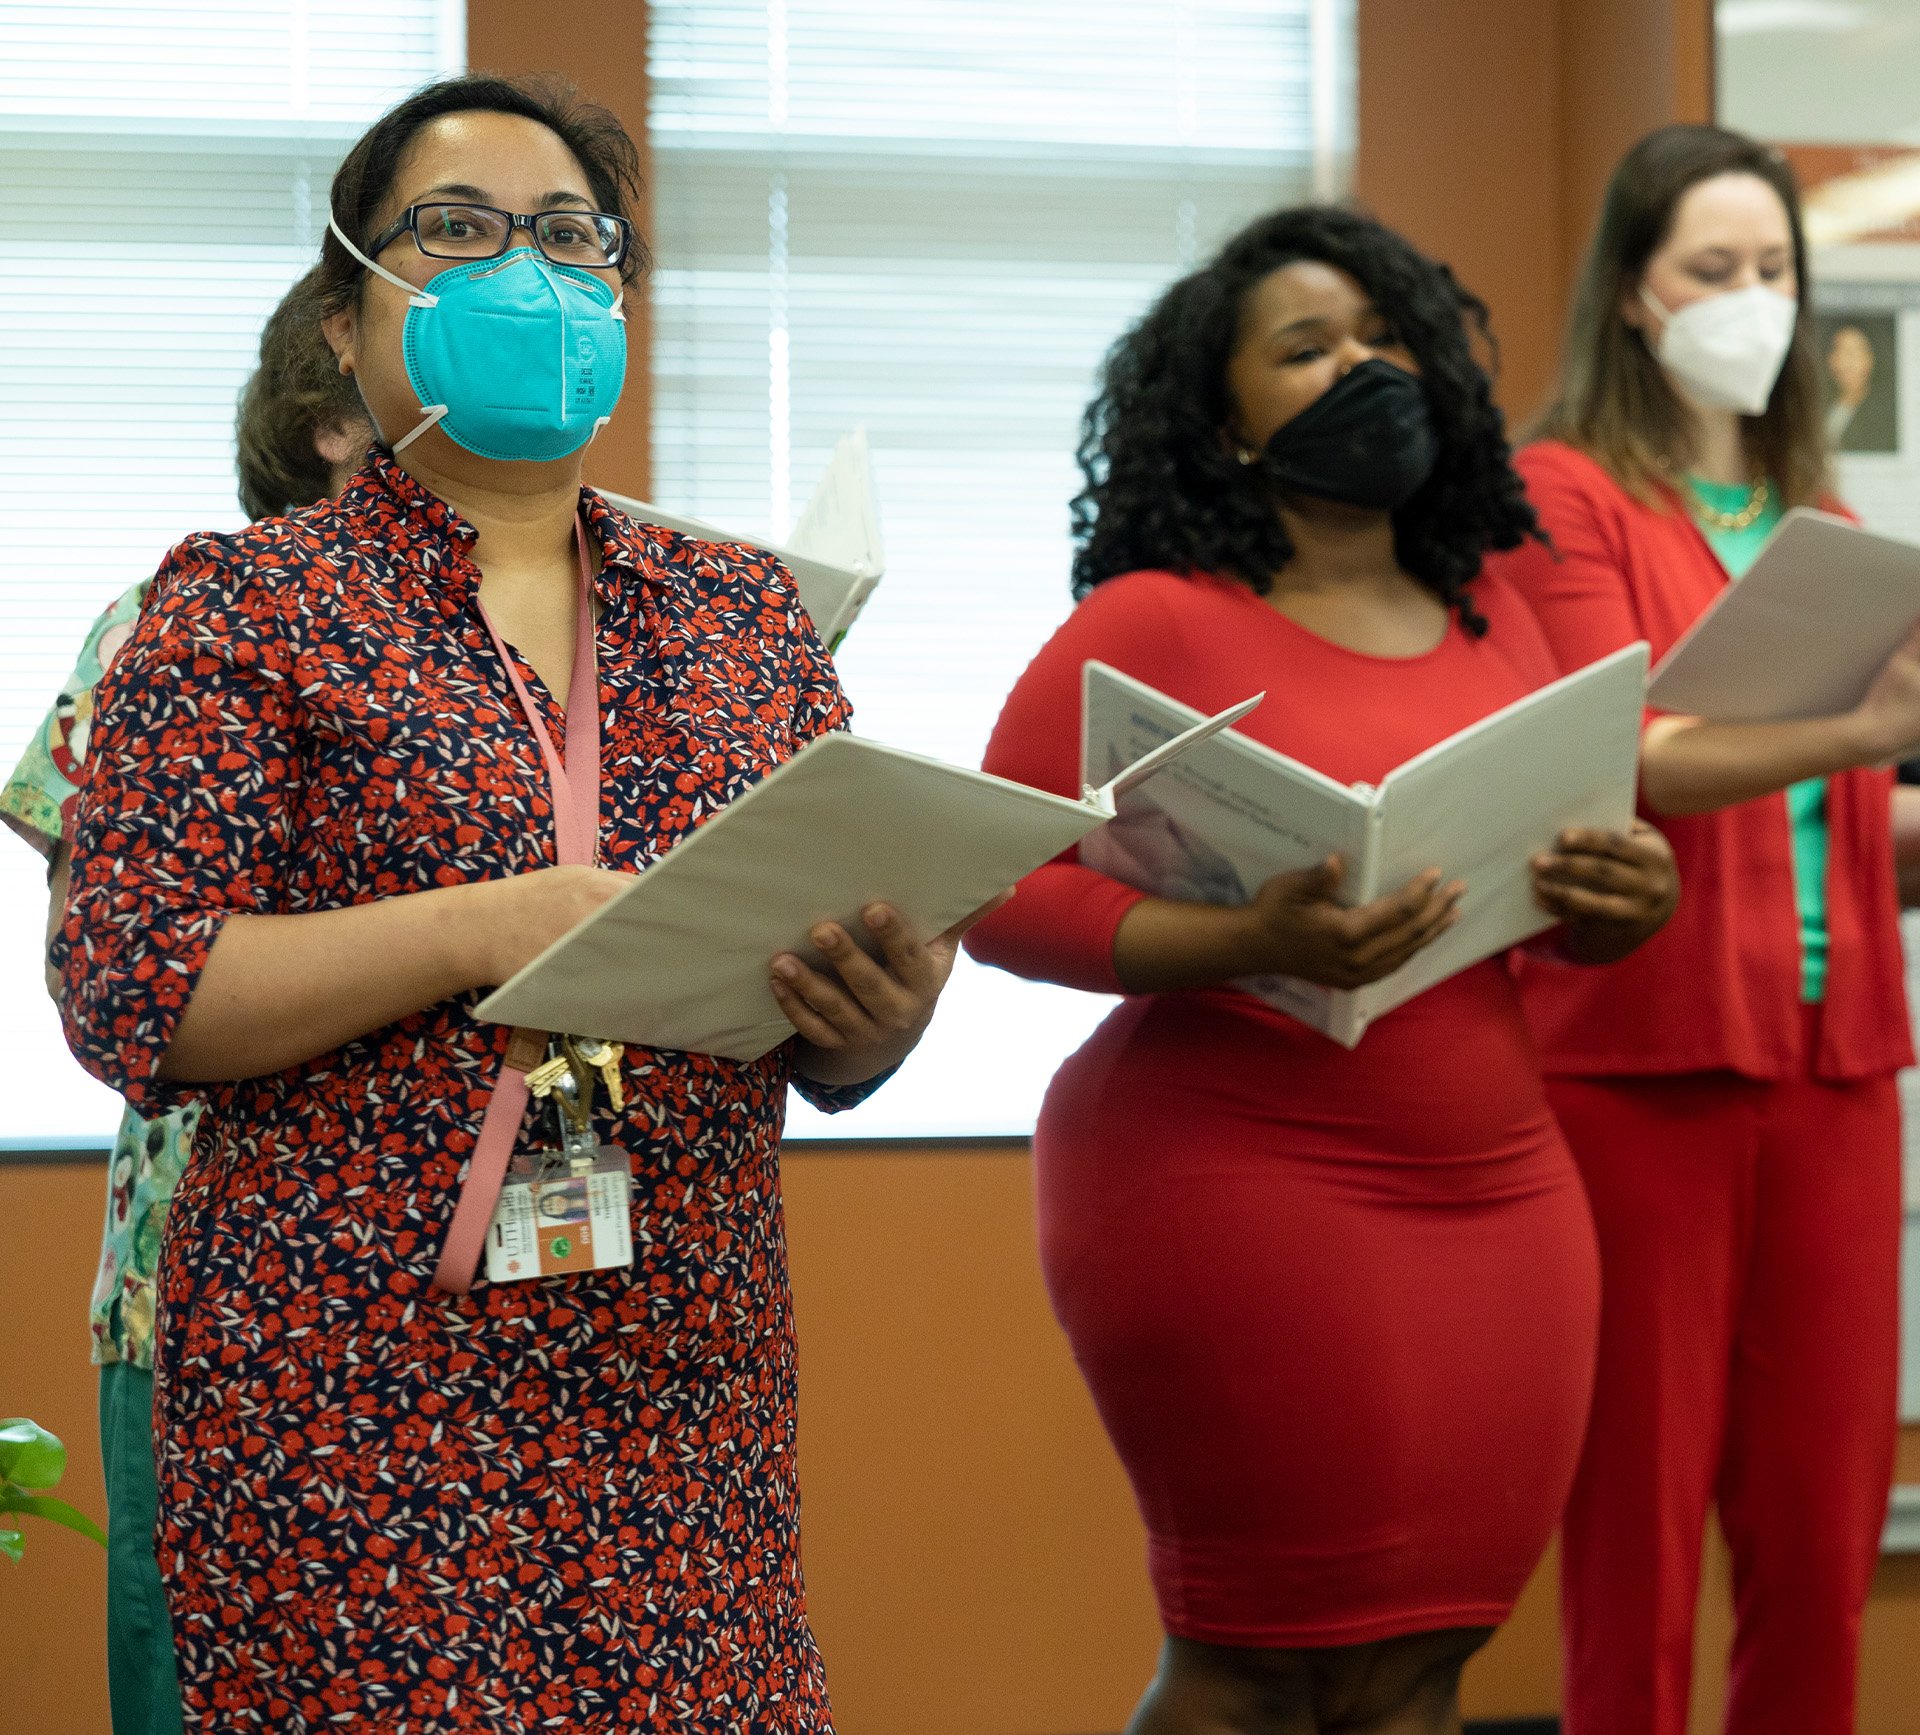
(512, 357)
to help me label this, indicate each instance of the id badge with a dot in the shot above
(558, 1214)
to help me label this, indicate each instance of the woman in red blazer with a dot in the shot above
(1728, 1090)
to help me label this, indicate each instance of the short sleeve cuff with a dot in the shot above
(838, 1098)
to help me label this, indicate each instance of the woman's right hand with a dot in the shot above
(1888, 718)
(510, 922)
(1296, 928)
(278, 990)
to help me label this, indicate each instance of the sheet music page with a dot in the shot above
(1215, 826)
(680, 959)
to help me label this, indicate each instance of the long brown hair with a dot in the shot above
(1613, 400)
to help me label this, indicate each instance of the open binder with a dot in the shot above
(834, 550)
(681, 958)
(1213, 827)
(1820, 611)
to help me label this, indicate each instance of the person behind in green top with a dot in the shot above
(300, 431)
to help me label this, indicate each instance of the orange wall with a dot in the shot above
(53, 1653)
(1487, 130)
(601, 46)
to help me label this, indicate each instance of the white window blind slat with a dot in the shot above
(163, 177)
(934, 220)
(221, 58)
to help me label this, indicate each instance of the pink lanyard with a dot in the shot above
(574, 787)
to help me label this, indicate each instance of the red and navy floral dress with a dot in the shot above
(568, 1504)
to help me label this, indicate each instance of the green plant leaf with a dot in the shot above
(53, 1511)
(30, 1455)
(10, 1544)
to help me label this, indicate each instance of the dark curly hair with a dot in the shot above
(1162, 488)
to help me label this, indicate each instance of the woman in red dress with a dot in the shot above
(1337, 1308)
(1729, 1093)
(320, 819)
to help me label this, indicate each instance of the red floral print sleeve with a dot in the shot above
(184, 819)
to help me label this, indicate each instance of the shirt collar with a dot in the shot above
(415, 522)
(411, 516)
(622, 545)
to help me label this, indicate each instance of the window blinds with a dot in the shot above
(163, 179)
(933, 220)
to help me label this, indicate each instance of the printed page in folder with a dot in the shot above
(1229, 815)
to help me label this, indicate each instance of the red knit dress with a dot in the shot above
(1337, 1309)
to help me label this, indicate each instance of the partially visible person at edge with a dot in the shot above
(1729, 1090)
(396, 1493)
(300, 431)
(1337, 1307)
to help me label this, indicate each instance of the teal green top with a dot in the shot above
(1806, 802)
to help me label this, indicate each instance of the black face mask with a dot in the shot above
(1365, 441)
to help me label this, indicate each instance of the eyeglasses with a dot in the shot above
(592, 239)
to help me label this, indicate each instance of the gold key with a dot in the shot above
(542, 1078)
(604, 1058)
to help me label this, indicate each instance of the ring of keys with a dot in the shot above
(568, 1077)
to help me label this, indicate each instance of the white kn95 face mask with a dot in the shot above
(1726, 351)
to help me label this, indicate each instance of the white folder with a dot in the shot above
(834, 550)
(681, 958)
(1820, 611)
(1478, 806)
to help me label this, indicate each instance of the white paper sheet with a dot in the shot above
(1232, 813)
(834, 551)
(681, 958)
(1823, 606)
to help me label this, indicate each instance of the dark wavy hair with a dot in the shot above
(1162, 486)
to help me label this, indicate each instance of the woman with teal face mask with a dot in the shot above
(355, 766)
(514, 354)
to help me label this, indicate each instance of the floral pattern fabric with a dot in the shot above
(566, 1504)
(144, 1165)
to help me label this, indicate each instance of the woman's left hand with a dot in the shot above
(870, 1018)
(1612, 889)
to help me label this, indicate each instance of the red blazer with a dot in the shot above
(1719, 987)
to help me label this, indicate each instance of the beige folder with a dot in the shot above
(1478, 806)
(1820, 611)
(681, 959)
